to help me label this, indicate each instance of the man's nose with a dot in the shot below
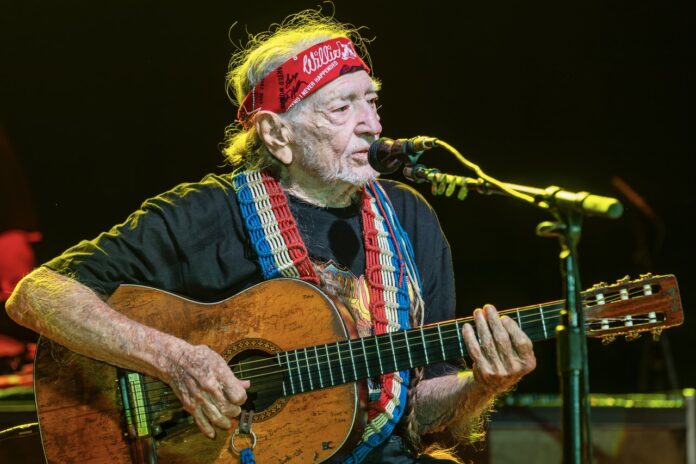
(369, 121)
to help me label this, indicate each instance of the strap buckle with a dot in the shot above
(244, 428)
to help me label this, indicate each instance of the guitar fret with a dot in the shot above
(299, 372)
(442, 342)
(287, 361)
(340, 361)
(352, 359)
(309, 371)
(316, 358)
(459, 338)
(367, 367)
(543, 323)
(391, 342)
(328, 362)
(280, 363)
(408, 349)
(519, 318)
(379, 355)
(425, 347)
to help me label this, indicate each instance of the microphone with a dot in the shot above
(387, 155)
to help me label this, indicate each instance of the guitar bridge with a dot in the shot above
(137, 416)
(134, 406)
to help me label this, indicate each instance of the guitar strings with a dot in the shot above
(350, 346)
(324, 364)
(271, 387)
(173, 403)
(169, 392)
(264, 387)
(303, 365)
(523, 320)
(304, 371)
(305, 374)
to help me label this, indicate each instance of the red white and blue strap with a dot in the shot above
(388, 256)
(272, 227)
(389, 261)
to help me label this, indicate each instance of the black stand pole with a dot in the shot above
(571, 345)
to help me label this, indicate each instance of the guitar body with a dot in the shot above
(303, 357)
(80, 406)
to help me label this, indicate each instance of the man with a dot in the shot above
(305, 205)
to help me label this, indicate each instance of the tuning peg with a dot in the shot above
(646, 276)
(607, 339)
(599, 285)
(624, 280)
(633, 336)
(656, 334)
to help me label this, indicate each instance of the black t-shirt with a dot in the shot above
(192, 241)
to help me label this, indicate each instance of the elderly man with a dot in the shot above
(304, 204)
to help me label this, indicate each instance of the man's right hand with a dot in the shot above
(74, 316)
(206, 386)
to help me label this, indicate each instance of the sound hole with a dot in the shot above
(265, 375)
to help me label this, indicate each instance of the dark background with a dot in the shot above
(108, 103)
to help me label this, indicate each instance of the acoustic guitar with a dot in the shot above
(305, 362)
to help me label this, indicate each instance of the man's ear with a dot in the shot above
(275, 134)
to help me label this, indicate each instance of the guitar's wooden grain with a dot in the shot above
(79, 405)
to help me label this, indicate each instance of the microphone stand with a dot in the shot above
(568, 209)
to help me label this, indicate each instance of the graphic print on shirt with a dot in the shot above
(340, 283)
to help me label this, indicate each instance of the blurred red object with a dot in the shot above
(22, 378)
(16, 362)
(9, 347)
(16, 258)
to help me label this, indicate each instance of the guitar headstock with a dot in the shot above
(631, 307)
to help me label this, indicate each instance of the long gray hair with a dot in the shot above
(263, 53)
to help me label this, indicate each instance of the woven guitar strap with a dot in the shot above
(389, 269)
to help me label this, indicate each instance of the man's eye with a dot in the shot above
(341, 109)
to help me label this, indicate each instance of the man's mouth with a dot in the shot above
(360, 156)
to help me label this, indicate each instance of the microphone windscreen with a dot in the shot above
(382, 157)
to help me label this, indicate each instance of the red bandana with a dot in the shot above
(300, 76)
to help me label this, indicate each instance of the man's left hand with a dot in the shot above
(502, 353)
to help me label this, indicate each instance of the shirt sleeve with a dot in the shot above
(178, 241)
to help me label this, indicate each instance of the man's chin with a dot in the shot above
(359, 177)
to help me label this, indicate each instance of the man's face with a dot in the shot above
(334, 129)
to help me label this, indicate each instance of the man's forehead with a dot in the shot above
(357, 83)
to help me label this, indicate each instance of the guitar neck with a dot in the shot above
(626, 308)
(322, 366)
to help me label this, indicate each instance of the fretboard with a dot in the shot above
(323, 366)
